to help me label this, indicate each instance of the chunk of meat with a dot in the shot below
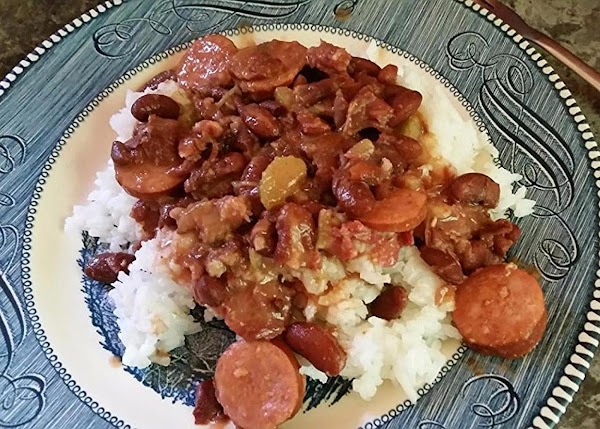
(214, 220)
(402, 211)
(260, 121)
(214, 179)
(316, 344)
(390, 303)
(145, 165)
(475, 188)
(443, 264)
(328, 58)
(362, 65)
(367, 110)
(296, 238)
(105, 267)
(467, 233)
(206, 63)
(258, 384)
(311, 124)
(207, 409)
(311, 93)
(259, 310)
(500, 310)
(263, 237)
(262, 68)
(325, 151)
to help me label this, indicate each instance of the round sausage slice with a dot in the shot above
(500, 310)
(262, 68)
(205, 63)
(258, 384)
(402, 211)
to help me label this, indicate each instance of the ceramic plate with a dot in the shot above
(58, 335)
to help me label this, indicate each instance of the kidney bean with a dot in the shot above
(475, 188)
(207, 409)
(274, 107)
(155, 104)
(260, 121)
(211, 291)
(443, 264)
(354, 197)
(121, 154)
(317, 345)
(106, 266)
(405, 103)
(390, 303)
(257, 165)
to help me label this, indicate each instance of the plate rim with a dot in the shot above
(586, 347)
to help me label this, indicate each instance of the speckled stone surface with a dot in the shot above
(574, 23)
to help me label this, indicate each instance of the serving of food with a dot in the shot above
(324, 207)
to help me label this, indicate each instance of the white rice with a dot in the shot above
(106, 214)
(154, 312)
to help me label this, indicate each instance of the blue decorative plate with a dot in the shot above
(58, 334)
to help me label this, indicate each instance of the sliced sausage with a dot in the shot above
(145, 165)
(402, 211)
(107, 266)
(317, 345)
(475, 188)
(500, 310)
(259, 311)
(262, 68)
(206, 62)
(258, 384)
(390, 303)
(206, 408)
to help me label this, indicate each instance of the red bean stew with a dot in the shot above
(292, 153)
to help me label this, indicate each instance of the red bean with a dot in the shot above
(207, 409)
(390, 303)
(475, 188)
(210, 291)
(260, 121)
(155, 104)
(443, 264)
(317, 345)
(354, 197)
(106, 266)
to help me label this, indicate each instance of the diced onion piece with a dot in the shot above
(281, 179)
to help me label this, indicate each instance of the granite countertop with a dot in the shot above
(571, 22)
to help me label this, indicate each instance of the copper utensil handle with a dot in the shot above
(569, 59)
